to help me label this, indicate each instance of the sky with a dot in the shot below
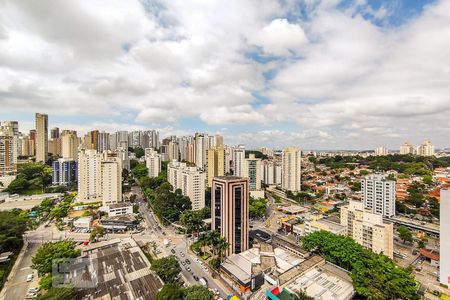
(317, 74)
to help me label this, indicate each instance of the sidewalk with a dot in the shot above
(13, 270)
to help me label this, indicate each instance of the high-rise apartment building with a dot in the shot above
(381, 151)
(271, 171)
(229, 211)
(54, 133)
(99, 177)
(41, 137)
(64, 172)
(13, 128)
(253, 172)
(426, 149)
(54, 146)
(26, 149)
(219, 141)
(7, 164)
(173, 150)
(444, 243)
(215, 163)
(368, 229)
(238, 161)
(191, 181)
(153, 162)
(69, 144)
(89, 175)
(407, 148)
(122, 153)
(103, 141)
(111, 180)
(291, 169)
(201, 146)
(379, 195)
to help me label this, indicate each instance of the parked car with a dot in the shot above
(30, 277)
(188, 261)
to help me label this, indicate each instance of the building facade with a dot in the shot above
(425, 149)
(379, 195)
(153, 162)
(291, 169)
(407, 148)
(253, 172)
(190, 180)
(229, 211)
(215, 163)
(367, 228)
(64, 172)
(41, 137)
(381, 151)
(444, 259)
(89, 175)
(69, 144)
(238, 161)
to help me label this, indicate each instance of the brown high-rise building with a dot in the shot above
(229, 211)
(41, 137)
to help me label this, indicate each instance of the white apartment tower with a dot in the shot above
(426, 149)
(381, 151)
(444, 259)
(407, 148)
(41, 137)
(238, 161)
(111, 180)
(89, 175)
(379, 195)
(291, 169)
(153, 162)
(7, 163)
(190, 180)
(367, 228)
(201, 146)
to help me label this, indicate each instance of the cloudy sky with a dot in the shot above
(324, 74)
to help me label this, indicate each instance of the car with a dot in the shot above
(195, 278)
(216, 291)
(183, 263)
(182, 254)
(172, 250)
(188, 261)
(30, 277)
(33, 290)
(188, 269)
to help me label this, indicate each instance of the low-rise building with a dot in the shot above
(317, 222)
(114, 269)
(83, 223)
(118, 209)
(120, 223)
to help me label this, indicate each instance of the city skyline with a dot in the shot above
(325, 75)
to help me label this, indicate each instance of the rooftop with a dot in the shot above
(120, 205)
(119, 270)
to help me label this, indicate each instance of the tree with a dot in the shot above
(140, 171)
(42, 260)
(96, 233)
(133, 164)
(374, 276)
(197, 292)
(170, 205)
(12, 227)
(192, 220)
(428, 179)
(139, 152)
(170, 291)
(167, 268)
(257, 207)
(57, 293)
(405, 234)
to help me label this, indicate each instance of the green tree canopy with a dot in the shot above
(58, 293)
(374, 276)
(197, 292)
(42, 260)
(405, 234)
(167, 268)
(97, 232)
(170, 291)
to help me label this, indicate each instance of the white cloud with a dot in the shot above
(340, 77)
(280, 38)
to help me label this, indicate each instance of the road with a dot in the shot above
(19, 286)
(181, 246)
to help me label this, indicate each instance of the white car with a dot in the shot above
(30, 277)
